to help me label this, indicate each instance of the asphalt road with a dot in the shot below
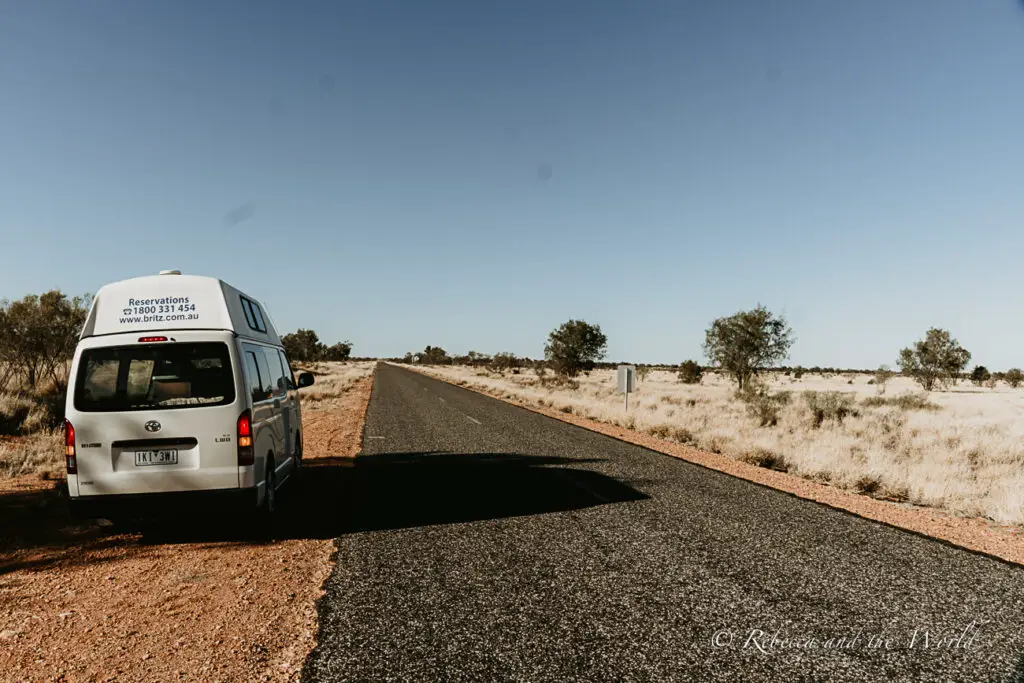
(486, 542)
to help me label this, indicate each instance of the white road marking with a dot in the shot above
(473, 419)
(441, 400)
(377, 437)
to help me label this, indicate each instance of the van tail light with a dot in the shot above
(147, 340)
(245, 439)
(70, 460)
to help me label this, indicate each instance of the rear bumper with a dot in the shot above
(177, 504)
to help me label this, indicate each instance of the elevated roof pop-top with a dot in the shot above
(171, 301)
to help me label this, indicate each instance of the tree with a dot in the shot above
(642, 371)
(980, 375)
(38, 335)
(690, 372)
(433, 355)
(575, 346)
(303, 345)
(882, 375)
(338, 352)
(748, 342)
(504, 361)
(935, 360)
(1014, 377)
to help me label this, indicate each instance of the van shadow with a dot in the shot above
(336, 496)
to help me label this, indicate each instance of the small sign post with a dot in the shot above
(627, 381)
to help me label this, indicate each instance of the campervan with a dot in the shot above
(180, 390)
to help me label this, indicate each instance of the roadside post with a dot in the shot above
(627, 381)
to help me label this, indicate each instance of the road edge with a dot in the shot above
(973, 534)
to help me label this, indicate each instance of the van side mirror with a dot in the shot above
(305, 380)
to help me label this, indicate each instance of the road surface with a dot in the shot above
(486, 542)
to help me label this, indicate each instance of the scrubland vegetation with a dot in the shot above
(332, 378)
(962, 450)
(931, 435)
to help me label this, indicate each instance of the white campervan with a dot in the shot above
(179, 388)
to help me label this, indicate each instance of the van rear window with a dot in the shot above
(154, 377)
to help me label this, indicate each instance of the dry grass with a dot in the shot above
(333, 379)
(961, 450)
(41, 454)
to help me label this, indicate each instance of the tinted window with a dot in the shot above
(280, 384)
(252, 374)
(266, 375)
(247, 309)
(258, 315)
(289, 374)
(158, 376)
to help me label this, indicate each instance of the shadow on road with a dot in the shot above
(337, 496)
(332, 497)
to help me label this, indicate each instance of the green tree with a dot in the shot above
(338, 352)
(433, 355)
(980, 375)
(505, 361)
(1014, 377)
(38, 335)
(748, 342)
(936, 360)
(690, 372)
(303, 345)
(574, 347)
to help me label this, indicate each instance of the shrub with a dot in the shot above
(867, 484)
(938, 359)
(575, 346)
(798, 372)
(747, 342)
(505, 361)
(980, 375)
(660, 431)
(762, 457)
(763, 406)
(682, 435)
(829, 405)
(903, 401)
(690, 372)
(13, 413)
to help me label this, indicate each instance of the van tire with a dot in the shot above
(263, 522)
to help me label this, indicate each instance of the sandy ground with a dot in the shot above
(84, 603)
(976, 534)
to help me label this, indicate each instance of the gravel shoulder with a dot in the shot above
(975, 534)
(86, 603)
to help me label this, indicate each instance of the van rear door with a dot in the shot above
(155, 417)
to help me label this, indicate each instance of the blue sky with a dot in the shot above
(470, 175)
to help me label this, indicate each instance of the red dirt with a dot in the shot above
(81, 603)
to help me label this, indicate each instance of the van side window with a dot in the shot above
(253, 315)
(247, 309)
(252, 375)
(279, 384)
(289, 374)
(266, 376)
(258, 315)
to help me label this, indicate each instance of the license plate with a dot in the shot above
(167, 456)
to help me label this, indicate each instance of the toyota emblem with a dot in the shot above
(152, 426)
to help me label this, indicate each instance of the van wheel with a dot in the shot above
(269, 506)
(263, 520)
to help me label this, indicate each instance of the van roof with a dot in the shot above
(177, 302)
